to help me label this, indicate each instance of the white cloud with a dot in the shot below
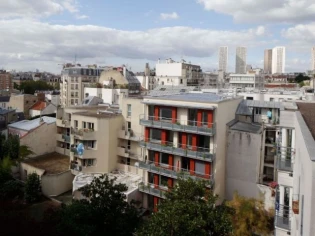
(82, 17)
(300, 36)
(32, 42)
(167, 16)
(36, 8)
(288, 11)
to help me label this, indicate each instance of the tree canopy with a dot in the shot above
(103, 212)
(250, 216)
(30, 86)
(189, 209)
(300, 78)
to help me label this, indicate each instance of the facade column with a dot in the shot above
(284, 143)
(175, 139)
(281, 199)
(291, 197)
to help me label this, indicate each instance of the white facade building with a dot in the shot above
(223, 58)
(241, 54)
(246, 81)
(110, 96)
(278, 60)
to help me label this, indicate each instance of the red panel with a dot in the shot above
(171, 161)
(184, 140)
(146, 134)
(194, 142)
(156, 112)
(156, 158)
(174, 115)
(210, 119)
(156, 181)
(192, 167)
(163, 137)
(208, 170)
(199, 117)
(155, 203)
(170, 183)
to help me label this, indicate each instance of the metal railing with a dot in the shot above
(66, 138)
(199, 153)
(190, 126)
(284, 164)
(130, 135)
(285, 152)
(153, 189)
(283, 217)
(174, 172)
(76, 167)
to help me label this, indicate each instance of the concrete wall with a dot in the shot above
(242, 164)
(224, 113)
(41, 140)
(26, 169)
(48, 110)
(54, 185)
(23, 102)
(170, 69)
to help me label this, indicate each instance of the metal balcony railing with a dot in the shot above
(174, 172)
(195, 152)
(285, 152)
(129, 135)
(283, 217)
(85, 134)
(284, 164)
(189, 126)
(155, 190)
(66, 138)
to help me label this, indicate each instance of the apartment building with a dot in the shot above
(73, 81)
(223, 58)
(23, 103)
(241, 60)
(5, 80)
(180, 73)
(246, 81)
(108, 95)
(268, 61)
(182, 138)
(278, 60)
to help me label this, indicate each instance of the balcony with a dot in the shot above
(88, 153)
(187, 126)
(124, 152)
(75, 168)
(84, 134)
(174, 172)
(62, 123)
(129, 135)
(284, 164)
(283, 217)
(66, 138)
(152, 189)
(199, 153)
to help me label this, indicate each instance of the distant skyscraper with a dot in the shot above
(240, 67)
(313, 58)
(278, 60)
(268, 61)
(223, 58)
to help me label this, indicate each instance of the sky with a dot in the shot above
(47, 33)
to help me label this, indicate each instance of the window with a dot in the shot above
(271, 99)
(166, 113)
(90, 125)
(76, 124)
(181, 81)
(163, 180)
(128, 110)
(128, 161)
(84, 124)
(205, 118)
(258, 111)
(129, 126)
(192, 117)
(164, 159)
(155, 134)
(90, 144)
(200, 168)
(88, 162)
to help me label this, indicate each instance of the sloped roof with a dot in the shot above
(39, 106)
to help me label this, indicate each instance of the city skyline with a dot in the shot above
(241, 60)
(41, 36)
(223, 58)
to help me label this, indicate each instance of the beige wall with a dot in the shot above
(41, 140)
(224, 113)
(23, 102)
(26, 169)
(56, 184)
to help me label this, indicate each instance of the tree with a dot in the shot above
(300, 78)
(103, 212)
(250, 216)
(189, 209)
(32, 188)
(11, 147)
(30, 86)
(24, 152)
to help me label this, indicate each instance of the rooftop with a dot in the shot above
(245, 127)
(32, 124)
(52, 163)
(5, 111)
(307, 111)
(129, 179)
(98, 113)
(39, 106)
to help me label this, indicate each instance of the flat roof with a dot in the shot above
(245, 127)
(129, 179)
(307, 111)
(52, 163)
(32, 124)
(264, 104)
(100, 114)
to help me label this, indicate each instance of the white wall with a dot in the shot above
(169, 69)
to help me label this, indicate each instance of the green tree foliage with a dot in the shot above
(32, 188)
(189, 209)
(11, 189)
(11, 147)
(250, 216)
(300, 78)
(104, 213)
(30, 86)
(2, 140)
(24, 152)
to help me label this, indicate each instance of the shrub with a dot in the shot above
(11, 189)
(32, 188)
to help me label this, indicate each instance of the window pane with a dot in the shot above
(164, 158)
(200, 168)
(166, 113)
(156, 134)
